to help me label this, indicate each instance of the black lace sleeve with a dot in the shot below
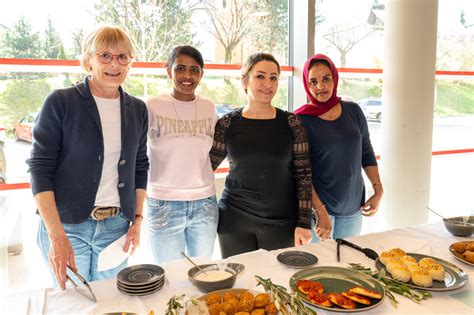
(219, 151)
(301, 170)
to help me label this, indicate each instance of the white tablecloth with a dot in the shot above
(431, 239)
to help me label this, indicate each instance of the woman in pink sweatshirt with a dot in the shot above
(182, 207)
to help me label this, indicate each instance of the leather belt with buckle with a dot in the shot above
(101, 213)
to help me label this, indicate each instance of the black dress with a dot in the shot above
(268, 190)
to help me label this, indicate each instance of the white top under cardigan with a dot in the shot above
(109, 112)
(180, 136)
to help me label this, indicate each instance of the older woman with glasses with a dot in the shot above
(88, 163)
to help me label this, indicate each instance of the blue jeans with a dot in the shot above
(175, 226)
(88, 239)
(342, 227)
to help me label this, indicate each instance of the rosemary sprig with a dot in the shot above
(392, 286)
(282, 298)
(175, 304)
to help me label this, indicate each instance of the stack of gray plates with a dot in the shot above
(141, 279)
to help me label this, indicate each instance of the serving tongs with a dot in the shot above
(367, 251)
(88, 294)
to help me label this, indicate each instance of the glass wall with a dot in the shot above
(353, 38)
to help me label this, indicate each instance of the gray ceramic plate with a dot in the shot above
(337, 279)
(459, 255)
(297, 259)
(455, 277)
(138, 292)
(140, 287)
(139, 275)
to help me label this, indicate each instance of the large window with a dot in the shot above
(354, 39)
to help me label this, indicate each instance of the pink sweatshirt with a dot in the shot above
(180, 136)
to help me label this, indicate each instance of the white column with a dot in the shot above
(408, 101)
(301, 46)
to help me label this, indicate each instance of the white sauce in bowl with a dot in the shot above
(213, 275)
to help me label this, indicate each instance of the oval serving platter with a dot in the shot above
(455, 277)
(337, 279)
(458, 255)
(203, 297)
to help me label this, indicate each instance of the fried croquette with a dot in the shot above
(246, 295)
(262, 300)
(213, 298)
(242, 313)
(230, 295)
(215, 309)
(246, 304)
(460, 247)
(258, 311)
(231, 306)
(271, 309)
(469, 256)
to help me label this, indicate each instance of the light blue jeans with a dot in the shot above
(175, 226)
(88, 239)
(342, 227)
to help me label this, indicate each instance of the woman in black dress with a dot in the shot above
(266, 202)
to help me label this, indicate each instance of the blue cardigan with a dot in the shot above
(68, 151)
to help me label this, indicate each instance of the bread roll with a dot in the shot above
(437, 272)
(398, 252)
(426, 262)
(412, 267)
(401, 272)
(385, 256)
(392, 263)
(422, 278)
(407, 259)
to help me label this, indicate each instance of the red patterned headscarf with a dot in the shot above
(315, 108)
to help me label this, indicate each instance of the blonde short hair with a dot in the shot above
(103, 38)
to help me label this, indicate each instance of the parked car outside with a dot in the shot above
(347, 98)
(372, 108)
(23, 130)
(222, 109)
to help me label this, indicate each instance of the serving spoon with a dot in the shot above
(192, 262)
(464, 219)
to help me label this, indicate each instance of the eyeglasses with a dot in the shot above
(80, 289)
(105, 57)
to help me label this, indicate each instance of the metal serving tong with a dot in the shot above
(367, 251)
(88, 294)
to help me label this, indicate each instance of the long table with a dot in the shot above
(430, 239)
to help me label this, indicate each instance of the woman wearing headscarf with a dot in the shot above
(340, 147)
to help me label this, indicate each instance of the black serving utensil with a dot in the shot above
(367, 251)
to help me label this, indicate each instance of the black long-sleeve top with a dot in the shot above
(269, 177)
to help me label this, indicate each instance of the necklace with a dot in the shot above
(193, 126)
